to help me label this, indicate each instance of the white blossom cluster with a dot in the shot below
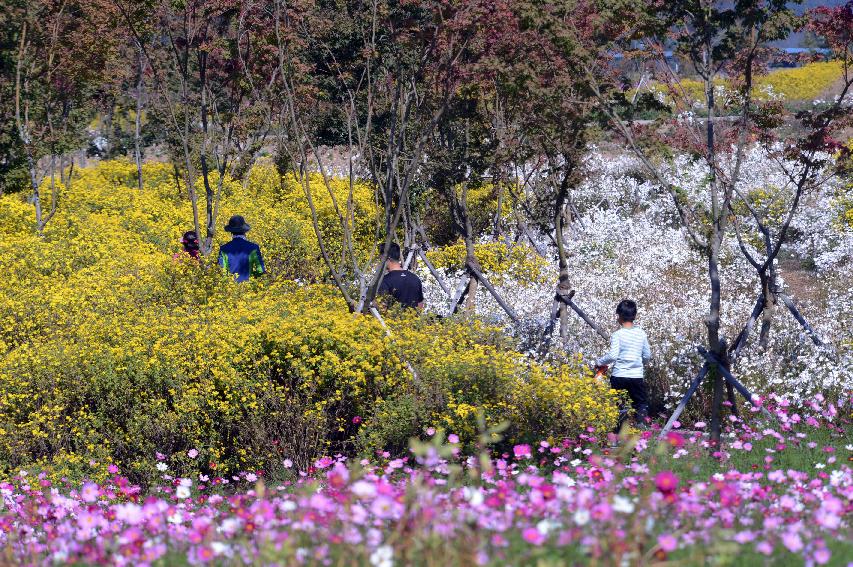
(628, 244)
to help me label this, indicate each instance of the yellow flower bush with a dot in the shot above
(112, 350)
(520, 263)
(801, 83)
(795, 84)
(563, 402)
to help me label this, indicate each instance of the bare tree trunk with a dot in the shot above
(177, 179)
(470, 254)
(564, 323)
(471, 295)
(563, 285)
(210, 228)
(22, 121)
(768, 285)
(137, 141)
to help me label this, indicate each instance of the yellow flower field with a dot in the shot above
(111, 349)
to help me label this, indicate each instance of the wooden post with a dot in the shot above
(454, 301)
(743, 336)
(478, 275)
(567, 299)
(434, 272)
(683, 403)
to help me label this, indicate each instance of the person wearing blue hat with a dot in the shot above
(241, 257)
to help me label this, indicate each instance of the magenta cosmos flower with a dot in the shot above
(534, 536)
(521, 451)
(666, 481)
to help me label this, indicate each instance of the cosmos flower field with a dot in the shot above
(780, 490)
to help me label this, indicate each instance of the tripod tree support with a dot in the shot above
(457, 296)
(375, 312)
(409, 257)
(434, 272)
(710, 359)
(476, 273)
(683, 403)
(789, 303)
(567, 299)
(743, 336)
(741, 339)
(715, 359)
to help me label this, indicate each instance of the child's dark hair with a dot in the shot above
(627, 310)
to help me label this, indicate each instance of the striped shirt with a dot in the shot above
(629, 349)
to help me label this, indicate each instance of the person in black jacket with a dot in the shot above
(401, 285)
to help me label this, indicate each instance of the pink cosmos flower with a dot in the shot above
(129, 513)
(792, 541)
(822, 556)
(675, 439)
(667, 542)
(89, 493)
(521, 451)
(601, 512)
(192, 453)
(356, 420)
(453, 438)
(112, 469)
(88, 522)
(533, 536)
(666, 481)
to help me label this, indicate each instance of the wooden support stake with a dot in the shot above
(482, 279)
(454, 301)
(434, 272)
(743, 337)
(683, 403)
(789, 303)
(713, 358)
(567, 299)
(409, 256)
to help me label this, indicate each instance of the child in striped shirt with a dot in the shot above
(629, 350)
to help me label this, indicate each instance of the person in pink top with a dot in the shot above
(189, 242)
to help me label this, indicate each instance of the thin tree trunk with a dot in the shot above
(768, 286)
(205, 169)
(471, 295)
(177, 180)
(137, 137)
(563, 280)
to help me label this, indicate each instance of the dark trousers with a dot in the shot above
(636, 388)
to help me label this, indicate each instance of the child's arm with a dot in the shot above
(647, 350)
(612, 354)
